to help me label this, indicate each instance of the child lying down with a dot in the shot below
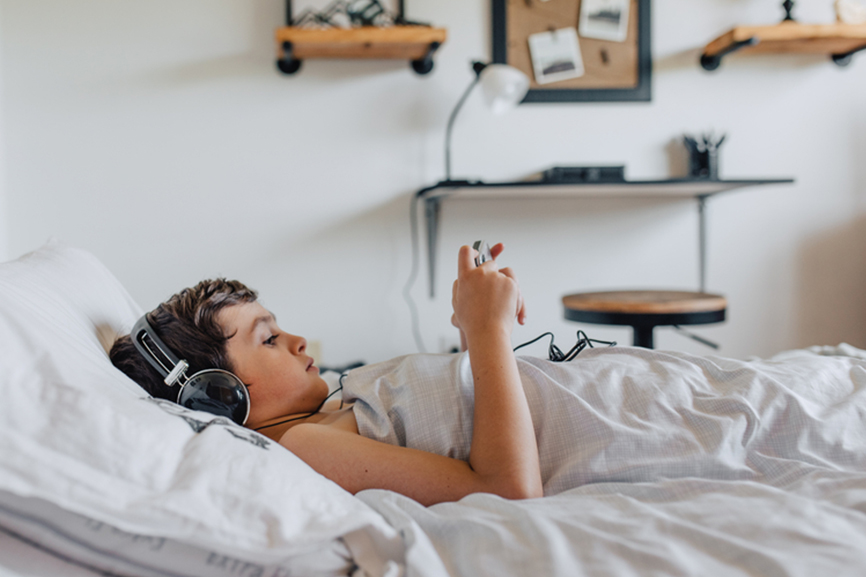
(219, 324)
(439, 427)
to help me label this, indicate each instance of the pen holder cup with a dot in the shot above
(703, 155)
(704, 164)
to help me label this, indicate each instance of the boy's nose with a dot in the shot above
(299, 344)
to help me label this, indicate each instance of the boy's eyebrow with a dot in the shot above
(263, 319)
(256, 322)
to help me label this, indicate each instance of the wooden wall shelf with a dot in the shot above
(414, 43)
(839, 41)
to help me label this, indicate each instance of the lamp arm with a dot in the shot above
(450, 126)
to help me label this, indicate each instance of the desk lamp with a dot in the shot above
(502, 87)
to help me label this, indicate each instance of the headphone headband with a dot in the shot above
(213, 390)
(176, 367)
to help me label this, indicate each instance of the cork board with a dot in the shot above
(612, 70)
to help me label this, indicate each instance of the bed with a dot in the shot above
(703, 465)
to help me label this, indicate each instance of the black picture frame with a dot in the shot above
(642, 92)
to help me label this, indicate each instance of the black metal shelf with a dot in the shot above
(699, 189)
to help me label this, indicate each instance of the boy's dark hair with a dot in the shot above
(187, 324)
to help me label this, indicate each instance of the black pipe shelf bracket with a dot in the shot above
(425, 64)
(711, 62)
(401, 39)
(838, 41)
(846, 58)
(287, 63)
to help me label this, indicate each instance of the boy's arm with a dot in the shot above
(357, 463)
(503, 442)
(503, 455)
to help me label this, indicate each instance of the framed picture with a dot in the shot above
(612, 40)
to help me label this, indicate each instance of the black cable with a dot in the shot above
(343, 376)
(407, 296)
(319, 408)
(535, 340)
(556, 355)
(697, 338)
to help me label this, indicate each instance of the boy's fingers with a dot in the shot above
(497, 249)
(521, 311)
(521, 307)
(465, 259)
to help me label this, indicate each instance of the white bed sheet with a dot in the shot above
(688, 466)
(677, 527)
(22, 559)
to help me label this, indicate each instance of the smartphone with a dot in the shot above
(483, 252)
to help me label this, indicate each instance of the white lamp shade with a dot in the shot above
(503, 87)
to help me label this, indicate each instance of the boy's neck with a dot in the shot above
(275, 428)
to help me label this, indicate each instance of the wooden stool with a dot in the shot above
(645, 310)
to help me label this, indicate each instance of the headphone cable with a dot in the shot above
(319, 408)
(407, 296)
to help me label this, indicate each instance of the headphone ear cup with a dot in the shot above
(218, 392)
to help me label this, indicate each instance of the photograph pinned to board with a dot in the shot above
(555, 55)
(604, 19)
(851, 11)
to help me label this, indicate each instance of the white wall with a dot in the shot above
(4, 227)
(159, 136)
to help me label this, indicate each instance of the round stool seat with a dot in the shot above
(645, 309)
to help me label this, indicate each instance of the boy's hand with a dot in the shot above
(484, 298)
(495, 251)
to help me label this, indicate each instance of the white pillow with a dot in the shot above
(78, 435)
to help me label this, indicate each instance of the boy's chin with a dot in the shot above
(325, 389)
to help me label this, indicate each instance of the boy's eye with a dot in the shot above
(272, 340)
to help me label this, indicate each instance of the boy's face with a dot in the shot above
(280, 376)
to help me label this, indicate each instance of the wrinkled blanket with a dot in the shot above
(652, 462)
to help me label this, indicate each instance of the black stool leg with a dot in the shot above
(643, 336)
